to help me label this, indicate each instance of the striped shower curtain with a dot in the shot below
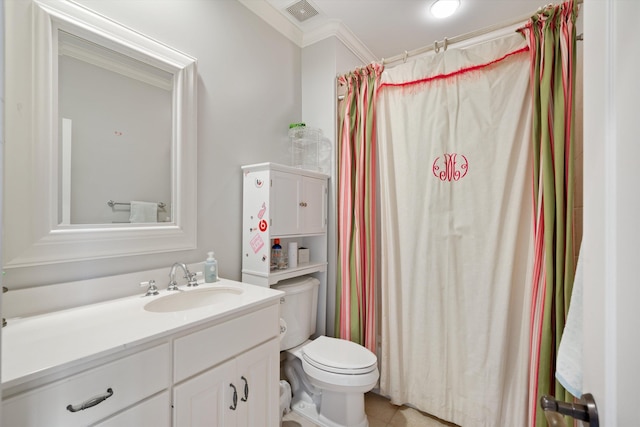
(356, 279)
(551, 37)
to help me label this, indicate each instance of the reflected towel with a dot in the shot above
(143, 212)
(569, 362)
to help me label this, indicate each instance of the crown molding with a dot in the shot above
(335, 28)
(273, 17)
(332, 28)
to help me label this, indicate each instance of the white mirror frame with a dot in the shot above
(35, 237)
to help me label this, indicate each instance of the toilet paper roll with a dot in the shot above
(293, 254)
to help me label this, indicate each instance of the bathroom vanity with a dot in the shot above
(116, 363)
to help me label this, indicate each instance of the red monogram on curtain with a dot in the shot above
(450, 167)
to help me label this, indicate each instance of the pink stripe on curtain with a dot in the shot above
(551, 38)
(356, 208)
(455, 73)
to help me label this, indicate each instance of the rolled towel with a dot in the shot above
(143, 212)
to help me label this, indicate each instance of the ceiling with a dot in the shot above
(385, 28)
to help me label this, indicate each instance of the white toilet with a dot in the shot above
(328, 376)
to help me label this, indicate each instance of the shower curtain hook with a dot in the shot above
(435, 46)
(445, 44)
(404, 57)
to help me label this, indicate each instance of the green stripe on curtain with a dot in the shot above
(355, 284)
(552, 40)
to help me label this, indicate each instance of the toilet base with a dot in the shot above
(325, 408)
(310, 412)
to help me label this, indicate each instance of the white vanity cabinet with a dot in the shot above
(240, 384)
(240, 392)
(183, 373)
(289, 204)
(112, 387)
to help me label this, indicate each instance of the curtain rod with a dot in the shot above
(457, 39)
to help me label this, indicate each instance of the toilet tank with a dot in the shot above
(298, 309)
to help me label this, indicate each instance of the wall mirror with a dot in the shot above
(113, 123)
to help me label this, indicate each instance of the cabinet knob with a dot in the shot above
(303, 204)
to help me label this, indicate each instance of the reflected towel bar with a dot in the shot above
(111, 203)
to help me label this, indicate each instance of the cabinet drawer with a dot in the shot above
(131, 379)
(154, 412)
(206, 348)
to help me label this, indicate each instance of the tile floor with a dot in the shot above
(381, 413)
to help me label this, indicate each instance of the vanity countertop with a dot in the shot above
(33, 347)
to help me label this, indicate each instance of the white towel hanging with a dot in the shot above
(143, 212)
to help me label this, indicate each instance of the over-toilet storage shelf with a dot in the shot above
(287, 203)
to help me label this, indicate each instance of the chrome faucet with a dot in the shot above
(191, 278)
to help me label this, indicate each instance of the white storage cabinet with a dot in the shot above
(289, 204)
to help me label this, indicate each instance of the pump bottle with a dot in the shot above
(210, 269)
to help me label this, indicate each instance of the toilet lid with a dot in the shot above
(339, 356)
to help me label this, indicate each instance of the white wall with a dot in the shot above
(321, 63)
(611, 206)
(249, 90)
(1, 155)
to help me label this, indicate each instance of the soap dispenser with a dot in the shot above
(210, 269)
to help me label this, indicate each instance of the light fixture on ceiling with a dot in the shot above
(444, 8)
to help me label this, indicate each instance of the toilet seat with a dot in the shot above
(339, 356)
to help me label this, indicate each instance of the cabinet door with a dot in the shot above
(257, 373)
(284, 203)
(207, 399)
(313, 206)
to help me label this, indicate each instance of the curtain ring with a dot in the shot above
(404, 57)
(445, 44)
(435, 46)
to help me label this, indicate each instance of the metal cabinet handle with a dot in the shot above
(303, 204)
(91, 402)
(246, 389)
(235, 398)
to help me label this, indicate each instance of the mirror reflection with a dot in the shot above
(128, 104)
(115, 136)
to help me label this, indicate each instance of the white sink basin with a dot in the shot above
(187, 300)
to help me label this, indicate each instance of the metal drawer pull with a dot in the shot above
(246, 389)
(91, 402)
(235, 398)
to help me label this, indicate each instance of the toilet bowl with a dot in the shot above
(328, 376)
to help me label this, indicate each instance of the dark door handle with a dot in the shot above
(585, 410)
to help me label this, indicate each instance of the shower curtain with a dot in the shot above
(551, 35)
(356, 279)
(455, 181)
